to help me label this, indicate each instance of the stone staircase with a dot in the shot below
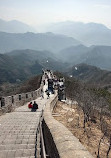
(18, 132)
(20, 135)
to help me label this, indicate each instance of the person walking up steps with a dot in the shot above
(48, 94)
(42, 94)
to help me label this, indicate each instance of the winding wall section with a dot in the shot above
(65, 144)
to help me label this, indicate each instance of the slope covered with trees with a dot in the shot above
(99, 56)
(90, 74)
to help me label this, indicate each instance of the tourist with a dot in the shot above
(35, 106)
(48, 94)
(30, 105)
(42, 93)
(44, 82)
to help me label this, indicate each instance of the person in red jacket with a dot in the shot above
(30, 105)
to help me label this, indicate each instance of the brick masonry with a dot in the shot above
(66, 145)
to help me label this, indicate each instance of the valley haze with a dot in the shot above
(64, 33)
(73, 39)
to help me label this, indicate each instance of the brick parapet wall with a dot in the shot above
(61, 140)
(8, 103)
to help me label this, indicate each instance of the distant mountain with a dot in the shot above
(19, 65)
(73, 54)
(15, 26)
(29, 57)
(39, 41)
(99, 56)
(90, 74)
(88, 34)
(10, 71)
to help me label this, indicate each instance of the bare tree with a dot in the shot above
(107, 155)
(93, 102)
(98, 155)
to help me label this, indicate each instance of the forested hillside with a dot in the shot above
(31, 84)
(99, 56)
(90, 74)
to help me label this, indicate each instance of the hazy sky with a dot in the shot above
(36, 12)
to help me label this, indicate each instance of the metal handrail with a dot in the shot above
(42, 142)
(43, 151)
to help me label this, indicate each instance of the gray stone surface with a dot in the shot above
(67, 145)
(18, 131)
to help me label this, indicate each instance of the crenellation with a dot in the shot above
(34, 95)
(23, 99)
(17, 100)
(29, 96)
(63, 143)
(60, 141)
(0, 103)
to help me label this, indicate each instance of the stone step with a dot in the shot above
(16, 136)
(18, 132)
(18, 141)
(28, 157)
(17, 146)
(17, 153)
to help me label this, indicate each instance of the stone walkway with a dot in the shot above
(18, 131)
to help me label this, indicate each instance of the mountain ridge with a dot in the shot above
(90, 74)
(38, 41)
(88, 33)
(99, 56)
(15, 26)
(22, 64)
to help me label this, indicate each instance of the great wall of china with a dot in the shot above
(35, 134)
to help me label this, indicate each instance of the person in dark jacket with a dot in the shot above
(35, 106)
(48, 94)
(42, 94)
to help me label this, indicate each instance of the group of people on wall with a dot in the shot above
(53, 83)
(33, 106)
